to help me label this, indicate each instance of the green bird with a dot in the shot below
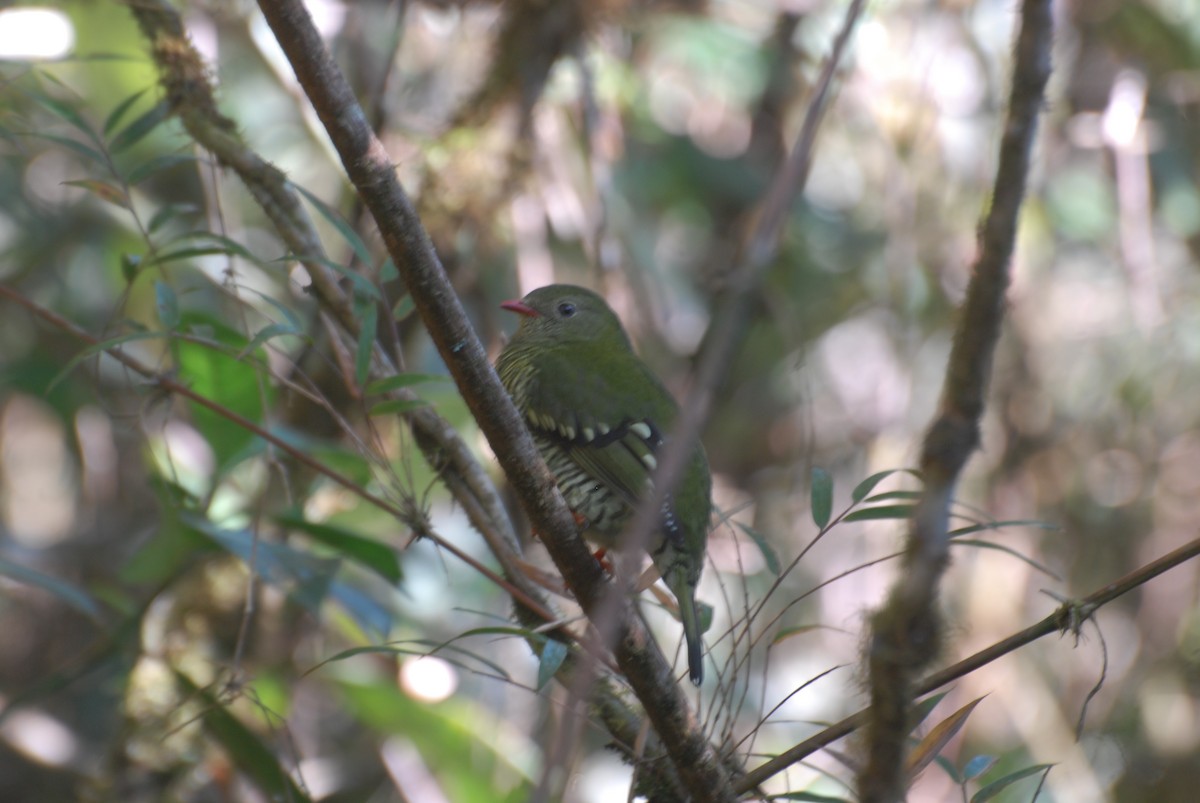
(599, 416)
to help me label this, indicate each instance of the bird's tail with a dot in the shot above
(689, 616)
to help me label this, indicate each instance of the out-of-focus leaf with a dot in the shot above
(880, 512)
(445, 733)
(404, 307)
(67, 112)
(340, 223)
(102, 190)
(397, 406)
(266, 333)
(821, 496)
(157, 165)
(167, 304)
(139, 128)
(998, 525)
(115, 116)
(96, 349)
(402, 381)
(996, 787)
(978, 766)
(366, 343)
(86, 151)
(760, 541)
(245, 749)
(68, 593)
(937, 738)
(926, 705)
(218, 375)
(908, 496)
(866, 486)
(1046, 570)
(554, 652)
(305, 577)
(167, 212)
(811, 797)
(791, 632)
(378, 557)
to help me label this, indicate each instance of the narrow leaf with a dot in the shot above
(102, 190)
(265, 334)
(404, 307)
(554, 652)
(768, 553)
(245, 749)
(114, 117)
(344, 228)
(366, 344)
(397, 406)
(97, 348)
(89, 153)
(1008, 551)
(167, 304)
(937, 739)
(866, 486)
(139, 128)
(157, 165)
(376, 556)
(821, 496)
(978, 766)
(996, 787)
(66, 592)
(391, 383)
(880, 512)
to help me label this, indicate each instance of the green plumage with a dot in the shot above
(599, 416)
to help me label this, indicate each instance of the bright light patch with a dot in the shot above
(428, 679)
(35, 33)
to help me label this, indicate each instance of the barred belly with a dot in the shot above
(605, 512)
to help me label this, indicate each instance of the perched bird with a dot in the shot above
(599, 416)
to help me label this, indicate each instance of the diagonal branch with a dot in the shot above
(906, 631)
(370, 170)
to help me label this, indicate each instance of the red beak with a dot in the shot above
(520, 308)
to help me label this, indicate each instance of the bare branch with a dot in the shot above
(907, 629)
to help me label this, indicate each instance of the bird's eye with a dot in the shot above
(566, 309)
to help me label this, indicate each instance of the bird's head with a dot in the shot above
(564, 312)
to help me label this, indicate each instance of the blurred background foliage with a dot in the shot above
(622, 146)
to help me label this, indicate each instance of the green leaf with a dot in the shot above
(68, 113)
(376, 556)
(866, 486)
(811, 797)
(265, 334)
(404, 307)
(880, 512)
(102, 190)
(89, 153)
(167, 304)
(908, 496)
(996, 787)
(997, 525)
(554, 652)
(305, 577)
(978, 766)
(166, 212)
(139, 128)
(216, 373)
(768, 553)
(366, 343)
(1046, 570)
(391, 383)
(363, 288)
(116, 114)
(157, 165)
(96, 349)
(799, 630)
(245, 749)
(66, 592)
(397, 406)
(821, 496)
(344, 228)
